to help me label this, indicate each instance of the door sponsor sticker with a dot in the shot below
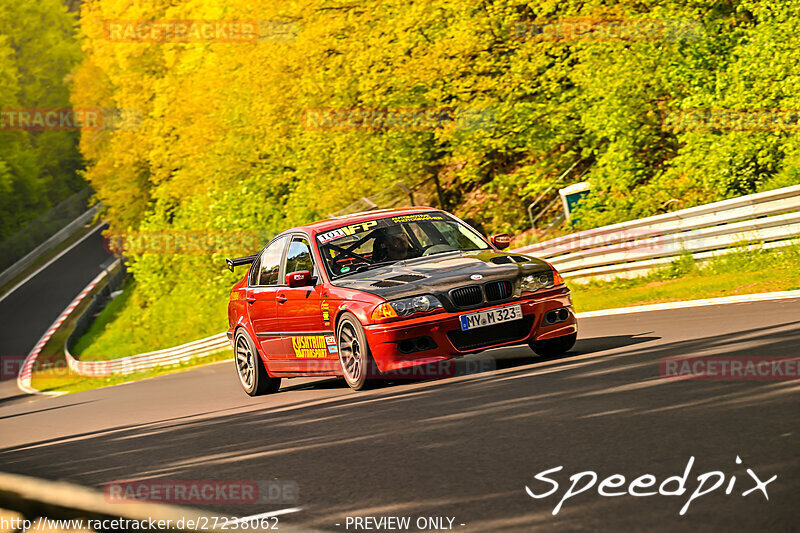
(310, 347)
(330, 340)
(326, 315)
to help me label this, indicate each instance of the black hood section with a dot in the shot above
(438, 274)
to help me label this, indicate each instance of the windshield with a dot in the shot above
(361, 246)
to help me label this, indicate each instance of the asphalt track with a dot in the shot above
(28, 311)
(464, 447)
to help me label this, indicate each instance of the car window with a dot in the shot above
(299, 257)
(269, 267)
(359, 246)
(456, 235)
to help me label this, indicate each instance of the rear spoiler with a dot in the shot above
(238, 261)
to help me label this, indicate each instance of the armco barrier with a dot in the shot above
(146, 361)
(632, 248)
(25, 374)
(626, 249)
(139, 362)
(59, 237)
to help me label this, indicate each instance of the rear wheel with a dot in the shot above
(354, 354)
(250, 368)
(554, 347)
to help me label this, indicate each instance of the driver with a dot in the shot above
(392, 244)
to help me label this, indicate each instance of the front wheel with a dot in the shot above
(250, 368)
(554, 347)
(354, 354)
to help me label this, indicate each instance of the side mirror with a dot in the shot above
(300, 278)
(501, 241)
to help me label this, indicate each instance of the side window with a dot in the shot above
(269, 267)
(299, 256)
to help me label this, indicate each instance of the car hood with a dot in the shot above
(439, 273)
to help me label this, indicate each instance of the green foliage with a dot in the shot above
(221, 140)
(38, 51)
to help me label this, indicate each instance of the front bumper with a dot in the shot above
(390, 342)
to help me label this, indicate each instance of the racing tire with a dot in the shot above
(355, 357)
(250, 368)
(555, 347)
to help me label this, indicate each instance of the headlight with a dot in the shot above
(538, 280)
(406, 306)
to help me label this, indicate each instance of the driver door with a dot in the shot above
(308, 337)
(261, 296)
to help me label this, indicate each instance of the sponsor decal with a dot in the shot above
(476, 276)
(326, 315)
(333, 349)
(413, 218)
(344, 270)
(347, 231)
(310, 347)
(330, 340)
(352, 229)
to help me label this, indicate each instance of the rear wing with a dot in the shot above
(238, 261)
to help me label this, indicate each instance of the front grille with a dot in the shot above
(467, 296)
(498, 290)
(489, 335)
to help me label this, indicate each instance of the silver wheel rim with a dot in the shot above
(350, 352)
(244, 362)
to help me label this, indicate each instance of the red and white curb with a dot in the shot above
(24, 377)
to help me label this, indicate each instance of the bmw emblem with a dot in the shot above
(476, 276)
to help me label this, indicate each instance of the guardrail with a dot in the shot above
(625, 249)
(26, 371)
(53, 241)
(134, 363)
(146, 361)
(632, 248)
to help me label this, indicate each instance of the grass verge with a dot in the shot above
(54, 376)
(98, 327)
(740, 271)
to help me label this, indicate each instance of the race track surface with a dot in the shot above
(26, 313)
(464, 447)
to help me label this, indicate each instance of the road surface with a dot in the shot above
(27, 312)
(463, 448)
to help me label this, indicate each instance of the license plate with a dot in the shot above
(491, 317)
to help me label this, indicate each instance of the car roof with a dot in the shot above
(355, 218)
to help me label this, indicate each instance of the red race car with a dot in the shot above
(379, 292)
